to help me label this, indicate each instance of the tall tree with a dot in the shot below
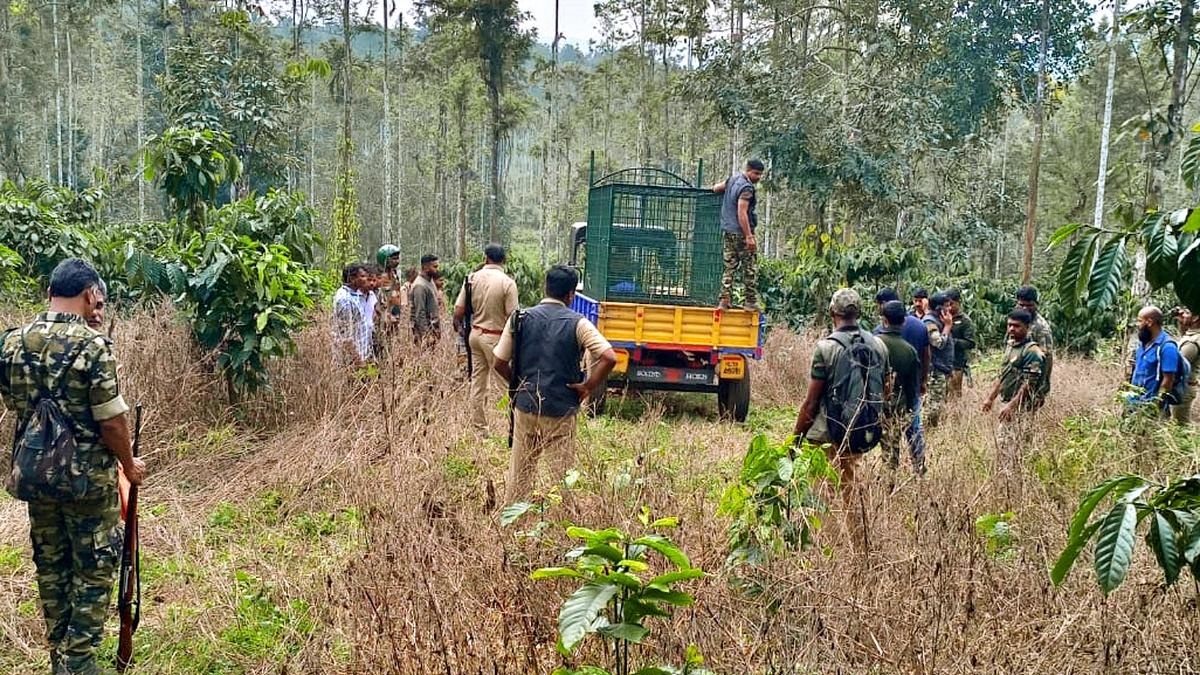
(1035, 162)
(501, 45)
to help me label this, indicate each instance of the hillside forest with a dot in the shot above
(221, 161)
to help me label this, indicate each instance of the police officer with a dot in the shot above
(548, 346)
(493, 299)
(77, 542)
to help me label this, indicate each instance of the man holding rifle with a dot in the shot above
(487, 298)
(60, 378)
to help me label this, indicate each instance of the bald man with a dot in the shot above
(1156, 362)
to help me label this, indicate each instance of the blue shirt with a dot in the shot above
(914, 333)
(1148, 369)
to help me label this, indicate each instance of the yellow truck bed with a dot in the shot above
(688, 327)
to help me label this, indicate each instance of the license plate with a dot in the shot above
(733, 369)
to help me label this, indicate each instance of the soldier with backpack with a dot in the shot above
(843, 408)
(60, 378)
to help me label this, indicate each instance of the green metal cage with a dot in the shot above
(653, 237)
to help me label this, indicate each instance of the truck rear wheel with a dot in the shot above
(733, 398)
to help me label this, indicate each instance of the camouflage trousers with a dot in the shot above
(739, 260)
(935, 398)
(76, 550)
(1012, 439)
(1183, 412)
(902, 431)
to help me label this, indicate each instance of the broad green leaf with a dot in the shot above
(623, 579)
(1063, 233)
(513, 512)
(605, 551)
(579, 613)
(1105, 283)
(1187, 282)
(1161, 538)
(1075, 271)
(554, 573)
(657, 670)
(677, 598)
(1191, 548)
(1094, 496)
(628, 632)
(675, 577)
(666, 549)
(1192, 224)
(633, 565)
(669, 521)
(1191, 162)
(1162, 250)
(1114, 546)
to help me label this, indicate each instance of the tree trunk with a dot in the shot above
(494, 216)
(58, 112)
(1035, 163)
(386, 218)
(1106, 128)
(460, 118)
(141, 118)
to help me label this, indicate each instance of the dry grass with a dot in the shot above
(353, 527)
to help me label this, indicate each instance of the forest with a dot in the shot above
(221, 161)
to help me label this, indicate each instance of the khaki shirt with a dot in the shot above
(586, 335)
(493, 298)
(1189, 348)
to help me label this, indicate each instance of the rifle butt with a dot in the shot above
(125, 646)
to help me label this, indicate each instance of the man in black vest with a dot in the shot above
(549, 346)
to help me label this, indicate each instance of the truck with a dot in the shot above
(650, 262)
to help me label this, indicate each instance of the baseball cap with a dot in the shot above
(843, 300)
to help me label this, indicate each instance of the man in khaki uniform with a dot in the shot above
(493, 300)
(547, 349)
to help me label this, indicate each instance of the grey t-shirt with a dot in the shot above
(735, 187)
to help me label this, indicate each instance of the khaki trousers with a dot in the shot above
(1183, 412)
(534, 436)
(483, 376)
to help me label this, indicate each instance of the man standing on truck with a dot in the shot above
(487, 298)
(738, 222)
(544, 346)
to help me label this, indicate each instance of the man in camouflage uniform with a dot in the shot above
(1041, 332)
(939, 323)
(738, 222)
(76, 544)
(1020, 386)
(1189, 350)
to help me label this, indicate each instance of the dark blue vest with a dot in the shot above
(548, 359)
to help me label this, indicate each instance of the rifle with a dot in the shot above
(514, 376)
(129, 589)
(468, 319)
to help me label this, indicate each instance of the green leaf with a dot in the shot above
(1162, 250)
(1105, 283)
(1192, 224)
(1191, 548)
(623, 579)
(1093, 498)
(666, 549)
(657, 670)
(628, 632)
(1063, 233)
(675, 577)
(1114, 546)
(1161, 539)
(554, 573)
(677, 598)
(605, 551)
(1187, 282)
(1191, 162)
(513, 512)
(670, 521)
(579, 613)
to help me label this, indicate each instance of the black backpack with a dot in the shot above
(854, 394)
(44, 462)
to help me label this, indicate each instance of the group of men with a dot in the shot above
(369, 307)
